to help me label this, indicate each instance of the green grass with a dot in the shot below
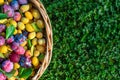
(86, 40)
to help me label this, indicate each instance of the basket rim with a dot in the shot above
(38, 4)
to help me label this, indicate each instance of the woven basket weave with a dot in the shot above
(49, 44)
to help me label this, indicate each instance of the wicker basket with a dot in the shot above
(49, 44)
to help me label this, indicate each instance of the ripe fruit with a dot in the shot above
(10, 40)
(28, 15)
(40, 24)
(21, 26)
(15, 5)
(2, 40)
(16, 66)
(3, 49)
(2, 28)
(29, 28)
(14, 45)
(35, 61)
(41, 41)
(1, 2)
(2, 76)
(28, 54)
(23, 1)
(31, 35)
(20, 50)
(14, 57)
(9, 10)
(25, 62)
(7, 66)
(17, 16)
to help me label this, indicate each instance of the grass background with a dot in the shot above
(86, 39)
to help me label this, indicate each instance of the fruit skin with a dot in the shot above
(13, 22)
(34, 41)
(21, 26)
(14, 57)
(40, 48)
(20, 38)
(40, 24)
(2, 40)
(3, 49)
(2, 28)
(14, 45)
(15, 5)
(2, 76)
(2, 2)
(35, 14)
(36, 53)
(10, 40)
(41, 41)
(28, 54)
(23, 1)
(39, 35)
(25, 8)
(29, 28)
(20, 50)
(17, 16)
(9, 10)
(35, 61)
(12, 78)
(25, 33)
(31, 35)
(23, 44)
(16, 66)
(25, 20)
(7, 66)
(25, 62)
(29, 15)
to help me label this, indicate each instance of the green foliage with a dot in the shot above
(86, 40)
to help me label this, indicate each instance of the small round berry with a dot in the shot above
(7, 66)
(14, 57)
(2, 40)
